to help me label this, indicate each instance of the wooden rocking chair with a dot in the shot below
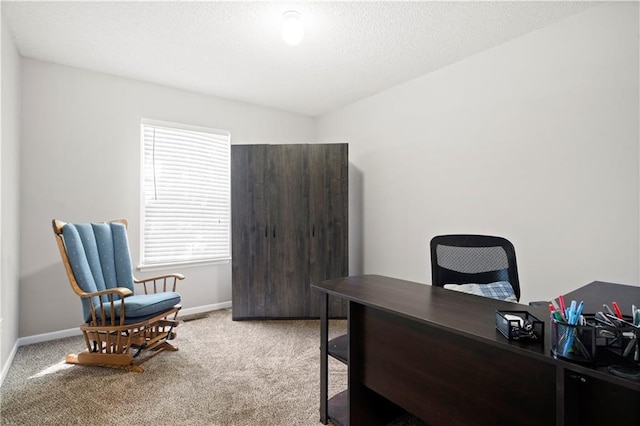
(121, 329)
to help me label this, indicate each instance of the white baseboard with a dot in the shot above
(7, 364)
(205, 308)
(54, 335)
(45, 337)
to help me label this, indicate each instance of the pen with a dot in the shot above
(583, 349)
(578, 313)
(608, 309)
(569, 343)
(562, 305)
(574, 315)
(617, 309)
(601, 317)
(630, 345)
(620, 321)
(571, 312)
(554, 313)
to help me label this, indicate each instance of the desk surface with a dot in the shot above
(597, 293)
(474, 316)
(460, 313)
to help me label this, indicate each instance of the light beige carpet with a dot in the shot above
(225, 373)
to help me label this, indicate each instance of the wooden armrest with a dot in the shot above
(160, 284)
(98, 313)
(119, 291)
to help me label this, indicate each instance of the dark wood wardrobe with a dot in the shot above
(289, 210)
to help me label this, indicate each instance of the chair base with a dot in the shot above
(121, 361)
(124, 362)
(127, 346)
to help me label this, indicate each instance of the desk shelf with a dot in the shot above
(339, 409)
(338, 348)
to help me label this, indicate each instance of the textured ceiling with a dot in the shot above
(234, 49)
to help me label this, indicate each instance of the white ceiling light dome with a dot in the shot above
(292, 29)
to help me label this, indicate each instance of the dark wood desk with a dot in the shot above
(436, 354)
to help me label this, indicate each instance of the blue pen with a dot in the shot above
(568, 332)
(572, 312)
(575, 315)
(578, 312)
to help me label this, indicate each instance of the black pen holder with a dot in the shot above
(573, 342)
(527, 328)
(580, 343)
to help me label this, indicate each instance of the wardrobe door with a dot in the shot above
(328, 217)
(288, 202)
(249, 218)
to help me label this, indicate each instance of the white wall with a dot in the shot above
(81, 161)
(9, 198)
(535, 140)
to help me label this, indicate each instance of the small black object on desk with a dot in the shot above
(519, 325)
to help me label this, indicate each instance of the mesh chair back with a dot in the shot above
(479, 259)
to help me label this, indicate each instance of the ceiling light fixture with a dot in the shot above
(292, 29)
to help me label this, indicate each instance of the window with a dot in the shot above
(186, 194)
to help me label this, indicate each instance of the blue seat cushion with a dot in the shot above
(142, 306)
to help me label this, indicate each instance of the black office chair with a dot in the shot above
(473, 259)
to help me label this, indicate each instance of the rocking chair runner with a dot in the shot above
(121, 330)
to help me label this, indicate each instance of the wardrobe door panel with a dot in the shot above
(249, 218)
(288, 201)
(328, 217)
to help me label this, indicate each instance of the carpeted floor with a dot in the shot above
(225, 373)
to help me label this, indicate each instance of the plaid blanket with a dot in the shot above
(498, 290)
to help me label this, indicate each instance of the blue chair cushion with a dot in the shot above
(99, 257)
(142, 306)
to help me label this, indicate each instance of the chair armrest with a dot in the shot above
(160, 284)
(118, 291)
(98, 313)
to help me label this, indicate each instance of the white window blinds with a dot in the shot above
(186, 190)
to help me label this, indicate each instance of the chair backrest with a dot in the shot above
(96, 257)
(478, 259)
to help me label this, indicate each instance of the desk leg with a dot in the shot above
(560, 396)
(324, 373)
